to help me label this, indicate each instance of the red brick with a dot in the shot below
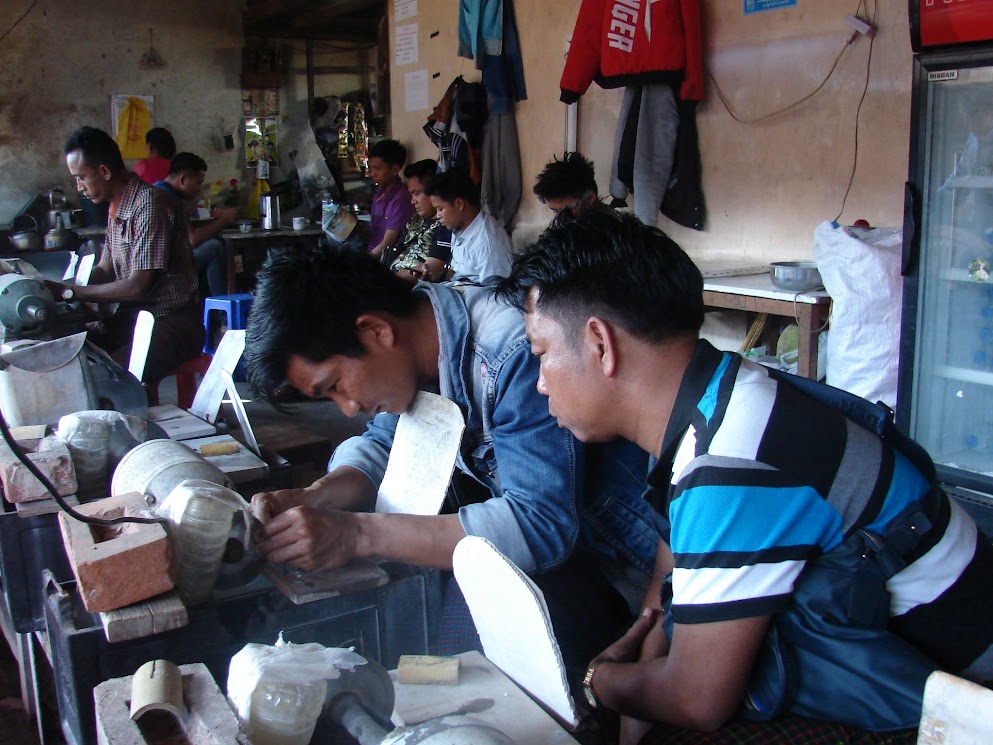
(121, 564)
(53, 460)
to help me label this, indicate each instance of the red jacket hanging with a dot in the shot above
(629, 42)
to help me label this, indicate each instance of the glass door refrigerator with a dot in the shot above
(945, 395)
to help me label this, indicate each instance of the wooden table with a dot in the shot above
(756, 293)
(256, 244)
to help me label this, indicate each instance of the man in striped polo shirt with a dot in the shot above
(764, 487)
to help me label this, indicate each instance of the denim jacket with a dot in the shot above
(486, 367)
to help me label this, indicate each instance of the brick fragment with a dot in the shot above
(52, 458)
(117, 565)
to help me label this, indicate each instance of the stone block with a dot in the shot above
(205, 718)
(51, 457)
(117, 565)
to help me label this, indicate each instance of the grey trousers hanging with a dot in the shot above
(644, 144)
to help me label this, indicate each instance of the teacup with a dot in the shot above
(299, 223)
(245, 227)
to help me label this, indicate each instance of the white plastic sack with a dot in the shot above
(860, 268)
(300, 663)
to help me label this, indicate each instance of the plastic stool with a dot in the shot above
(186, 381)
(235, 309)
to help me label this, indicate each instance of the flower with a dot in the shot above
(218, 196)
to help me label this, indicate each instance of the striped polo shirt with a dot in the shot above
(757, 478)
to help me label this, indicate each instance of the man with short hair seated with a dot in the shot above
(184, 181)
(480, 246)
(815, 573)
(568, 186)
(146, 262)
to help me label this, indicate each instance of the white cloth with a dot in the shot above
(481, 250)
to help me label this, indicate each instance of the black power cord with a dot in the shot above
(65, 506)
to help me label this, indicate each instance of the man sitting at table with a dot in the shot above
(568, 187)
(146, 263)
(815, 573)
(184, 181)
(391, 207)
(480, 246)
(426, 248)
(340, 326)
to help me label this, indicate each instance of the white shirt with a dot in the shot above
(481, 250)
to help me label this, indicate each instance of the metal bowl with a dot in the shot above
(795, 276)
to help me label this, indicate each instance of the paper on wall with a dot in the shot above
(415, 90)
(405, 45)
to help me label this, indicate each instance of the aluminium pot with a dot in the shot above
(26, 239)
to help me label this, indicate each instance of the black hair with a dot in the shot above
(570, 177)
(613, 266)
(98, 148)
(423, 170)
(390, 151)
(306, 304)
(161, 141)
(182, 162)
(454, 184)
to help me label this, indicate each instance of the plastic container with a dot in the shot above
(156, 467)
(285, 713)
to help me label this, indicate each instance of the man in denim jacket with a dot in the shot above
(378, 342)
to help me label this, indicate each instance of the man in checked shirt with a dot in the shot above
(146, 264)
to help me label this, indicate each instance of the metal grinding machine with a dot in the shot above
(45, 370)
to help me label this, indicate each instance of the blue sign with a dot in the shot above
(757, 6)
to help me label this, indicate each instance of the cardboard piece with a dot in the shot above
(422, 458)
(525, 649)
(178, 423)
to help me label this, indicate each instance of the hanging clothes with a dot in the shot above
(480, 29)
(501, 187)
(654, 50)
(626, 42)
(456, 127)
(503, 74)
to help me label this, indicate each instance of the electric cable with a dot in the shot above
(18, 21)
(65, 506)
(858, 110)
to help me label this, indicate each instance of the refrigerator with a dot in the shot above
(945, 388)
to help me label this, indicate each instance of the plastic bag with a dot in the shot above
(87, 434)
(860, 268)
(285, 662)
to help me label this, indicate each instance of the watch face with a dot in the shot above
(68, 293)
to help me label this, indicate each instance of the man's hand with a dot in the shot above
(628, 647)
(226, 216)
(267, 504)
(310, 538)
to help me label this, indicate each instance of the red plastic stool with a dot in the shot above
(186, 381)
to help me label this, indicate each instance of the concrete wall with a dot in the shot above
(61, 64)
(767, 184)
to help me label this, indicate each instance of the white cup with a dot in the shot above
(245, 227)
(299, 223)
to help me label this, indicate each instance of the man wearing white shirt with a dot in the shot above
(480, 246)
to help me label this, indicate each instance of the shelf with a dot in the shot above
(979, 460)
(961, 275)
(964, 374)
(970, 182)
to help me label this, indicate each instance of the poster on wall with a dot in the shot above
(260, 140)
(130, 120)
(405, 45)
(404, 9)
(758, 6)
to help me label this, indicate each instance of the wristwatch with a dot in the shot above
(588, 691)
(68, 294)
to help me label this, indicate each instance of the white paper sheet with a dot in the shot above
(404, 9)
(422, 457)
(405, 45)
(416, 90)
